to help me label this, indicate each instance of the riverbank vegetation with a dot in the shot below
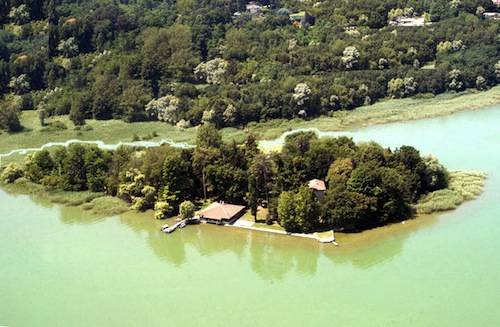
(367, 185)
(463, 186)
(113, 131)
(229, 64)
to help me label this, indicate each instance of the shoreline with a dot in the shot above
(119, 132)
(101, 205)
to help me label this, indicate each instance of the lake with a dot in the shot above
(60, 266)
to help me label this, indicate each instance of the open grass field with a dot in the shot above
(114, 131)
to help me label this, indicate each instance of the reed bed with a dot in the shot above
(463, 186)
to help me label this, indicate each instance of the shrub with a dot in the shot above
(11, 172)
(187, 209)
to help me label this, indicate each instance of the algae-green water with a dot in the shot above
(60, 266)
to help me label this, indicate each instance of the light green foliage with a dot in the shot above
(146, 200)
(187, 209)
(68, 48)
(132, 186)
(164, 109)
(463, 186)
(20, 84)
(455, 80)
(350, 57)
(400, 88)
(298, 211)
(20, 14)
(212, 71)
(38, 165)
(11, 172)
(162, 209)
(165, 206)
(481, 83)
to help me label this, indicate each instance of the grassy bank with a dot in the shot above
(113, 131)
(463, 186)
(96, 203)
(389, 111)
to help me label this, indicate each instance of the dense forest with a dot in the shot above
(367, 185)
(232, 62)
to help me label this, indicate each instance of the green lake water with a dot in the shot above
(60, 266)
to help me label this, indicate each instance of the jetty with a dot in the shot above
(180, 224)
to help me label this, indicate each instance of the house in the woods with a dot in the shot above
(408, 21)
(221, 213)
(318, 186)
(254, 8)
(496, 2)
(302, 19)
(492, 15)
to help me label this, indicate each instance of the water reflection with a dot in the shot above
(270, 256)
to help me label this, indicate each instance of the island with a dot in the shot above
(311, 185)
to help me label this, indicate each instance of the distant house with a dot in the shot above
(221, 213)
(318, 186)
(496, 2)
(254, 8)
(492, 15)
(302, 19)
(408, 21)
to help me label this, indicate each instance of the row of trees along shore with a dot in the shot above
(187, 62)
(367, 185)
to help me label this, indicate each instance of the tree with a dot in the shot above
(105, 97)
(96, 167)
(168, 52)
(208, 136)
(350, 57)
(68, 48)
(164, 207)
(187, 209)
(74, 173)
(79, 107)
(20, 84)
(455, 82)
(177, 174)
(164, 109)
(212, 71)
(400, 88)
(39, 165)
(53, 19)
(298, 212)
(20, 14)
(481, 83)
(146, 200)
(9, 119)
(348, 210)
(11, 173)
(133, 101)
(261, 176)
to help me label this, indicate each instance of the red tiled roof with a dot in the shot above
(221, 211)
(317, 184)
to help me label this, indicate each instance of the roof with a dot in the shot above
(298, 15)
(317, 184)
(221, 211)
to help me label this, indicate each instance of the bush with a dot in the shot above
(11, 173)
(187, 209)
(163, 209)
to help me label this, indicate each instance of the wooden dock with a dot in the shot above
(180, 224)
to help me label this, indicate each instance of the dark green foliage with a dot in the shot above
(367, 185)
(9, 119)
(126, 52)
